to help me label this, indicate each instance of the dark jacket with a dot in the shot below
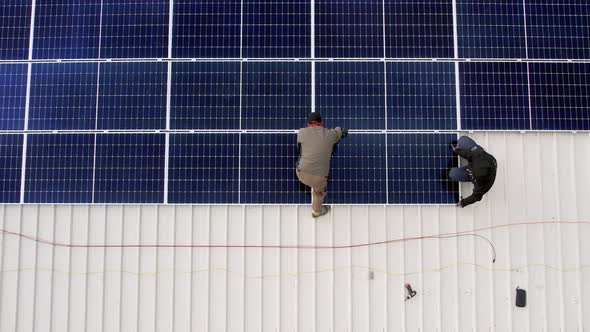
(482, 166)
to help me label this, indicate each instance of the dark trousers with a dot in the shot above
(463, 174)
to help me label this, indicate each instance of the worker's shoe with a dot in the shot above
(324, 210)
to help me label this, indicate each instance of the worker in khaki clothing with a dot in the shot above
(315, 145)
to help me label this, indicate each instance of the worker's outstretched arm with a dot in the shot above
(476, 196)
(338, 133)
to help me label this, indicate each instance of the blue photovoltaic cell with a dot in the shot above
(419, 29)
(559, 96)
(349, 29)
(206, 29)
(11, 153)
(494, 96)
(558, 30)
(491, 29)
(205, 95)
(351, 94)
(59, 168)
(217, 167)
(418, 168)
(13, 91)
(15, 26)
(358, 172)
(132, 95)
(421, 95)
(204, 168)
(275, 95)
(63, 96)
(129, 168)
(66, 29)
(276, 29)
(267, 170)
(134, 29)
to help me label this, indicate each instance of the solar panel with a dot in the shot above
(491, 29)
(558, 30)
(418, 166)
(351, 94)
(134, 29)
(494, 96)
(13, 87)
(275, 95)
(349, 29)
(206, 29)
(11, 153)
(559, 96)
(67, 29)
(418, 29)
(267, 170)
(205, 95)
(132, 95)
(421, 95)
(113, 91)
(59, 168)
(207, 174)
(129, 168)
(63, 96)
(276, 29)
(15, 26)
(358, 174)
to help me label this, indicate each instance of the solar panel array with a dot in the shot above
(198, 102)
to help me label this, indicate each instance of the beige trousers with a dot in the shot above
(318, 185)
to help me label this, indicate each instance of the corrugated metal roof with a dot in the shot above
(542, 177)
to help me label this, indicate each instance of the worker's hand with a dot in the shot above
(344, 132)
(460, 203)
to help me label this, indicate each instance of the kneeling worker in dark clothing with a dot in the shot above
(315, 145)
(481, 170)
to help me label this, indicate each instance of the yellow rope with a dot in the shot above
(489, 268)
